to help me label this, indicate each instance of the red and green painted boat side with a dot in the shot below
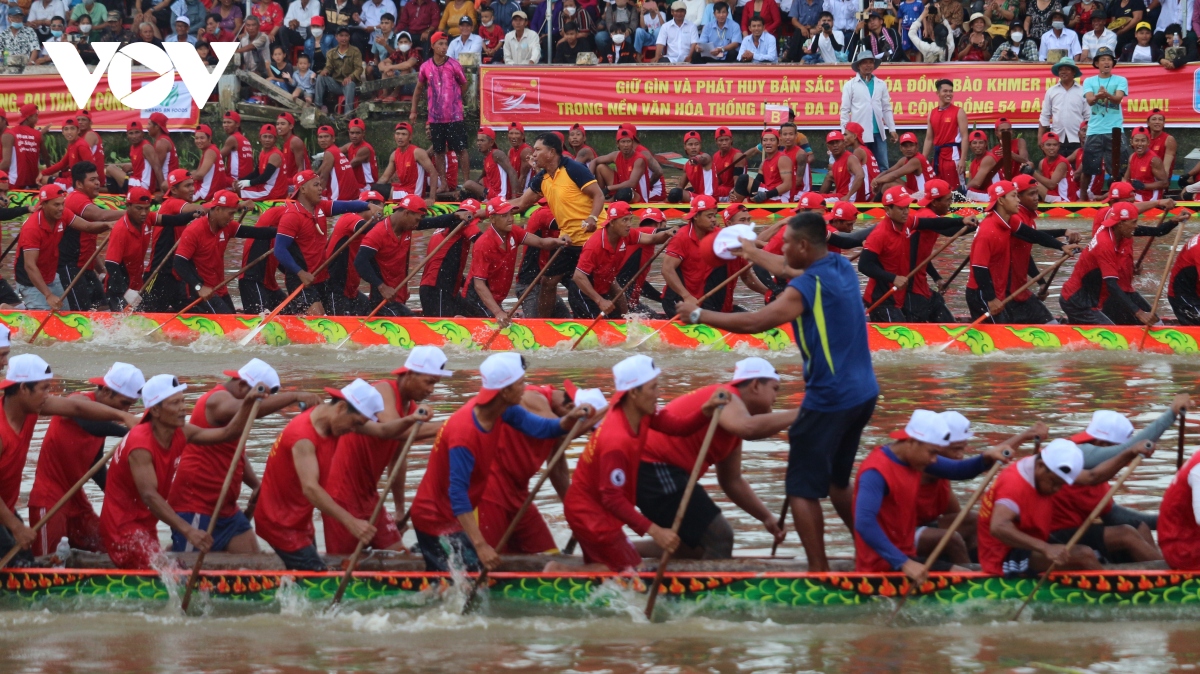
(532, 334)
(726, 591)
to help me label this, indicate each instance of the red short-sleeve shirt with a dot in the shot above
(206, 250)
(494, 260)
(601, 260)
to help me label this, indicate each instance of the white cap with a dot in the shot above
(1064, 459)
(633, 372)
(1106, 426)
(362, 397)
(160, 387)
(727, 240)
(960, 426)
(426, 360)
(26, 368)
(123, 379)
(182, 18)
(678, 4)
(925, 426)
(499, 371)
(256, 372)
(753, 368)
(590, 396)
(5, 336)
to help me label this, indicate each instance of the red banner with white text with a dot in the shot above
(56, 105)
(741, 96)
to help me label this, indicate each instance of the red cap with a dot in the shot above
(723, 132)
(897, 196)
(436, 37)
(701, 203)
(233, 114)
(134, 126)
(977, 135)
(1049, 135)
(303, 177)
(625, 134)
(357, 123)
(487, 132)
(618, 209)
(204, 129)
(267, 130)
(404, 125)
(70, 122)
(691, 135)
(1024, 182)
(908, 137)
(628, 126)
(811, 200)
(370, 195)
(138, 195)
(3, 176)
(997, 190)
(177, 176)
(159, 119)
(27, 110)
(88, 114)
(412, 202)
(651, 214)
(1154, 112)
(288, 116)
(770, 132)
(934, 189)
(518, 126)
(1120, 213)
(580, 128)
(317, 21)
(834, 135)
(1119, 191)
(731, 211)
(855, 128)
(1002, 120)
(499, 206)
(470, 205)
(224, 198)
(51, 191)
(559, 136)
(1140, 131)
(843, 210)
(328, 130)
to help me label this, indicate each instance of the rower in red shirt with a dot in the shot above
(499, 175)
(344, 297)
(201, 470)
(590, 291)
(237, 151)
(77, 150)
(991, 254)
(518, 158)
(795, 145)
(887, 258)
(361, 154)
(726, 159)
(299, 467)
(946, 135)
(140, 473)
(925, 304)
(523, 456)
(259, 285)
(37, 261)
(577, 144)
(210, 176)
(1054, 173)
(142, 169)
(26, 388)
(885, 495)
(199, 260)
(629, 178)
(650, 220)
(1145, 169)
(667, 462)
(69, 450)
(442, 277)
(359, 461)
(21, 148)
(76, 247)
(295, 153)
(164, 147)
(699, 174)
(1179, 518)
(866, 159)
(1026, 308)
(494, 259)
(600, 501)
(775, 181)
(690, 267)
(846, 175)
(125, 257)
(1015, 514)
(168, 293)
(341, 183)
(983, 170)
(460, 465)
(913, 170)
(409, 167)
(1122, 192)
(1184, 290)
(1162, 143)
(267, 182)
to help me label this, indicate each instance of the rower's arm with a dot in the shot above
(141, 468)
(670, 274)
(533, 425)
(228, 432)
(78, 406)
(786, 308)
(1005, 530)
(1093, 455)
(304, 456)
(585, 285)
(949, 469)
(485, 296)
(736, 419)
(1107, 470)
(23, 534)
(462, 464)
(94, 213)
(222, 406)
(395, 429)
(871, 490)
(735, 486)
(1030, 235)
(1158, 230)
(249, 477)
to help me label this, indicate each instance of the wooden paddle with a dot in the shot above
(621, 292)
(11, 244)
(1028, 284)
(387, 487)
(919, 268)
(425, 260)
(82, 270)
(520, 300)
(957, 270)
(958, 520)
(1087, 522)
(706, 295)
(1006, 157)
(1137, 266)
(220, 285)
(1178, 457)
(576, 431)
(149, 284)
(683, 506)
(194, 579)
(1162, 285)
(316, 272)
(782, 516)
(62, 501)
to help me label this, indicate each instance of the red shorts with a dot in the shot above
(614, 551)
(82, 530)
(134, 548)
(531, 536)
(338, 540)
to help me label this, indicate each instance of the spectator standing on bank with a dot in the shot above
(865, 100)
(521, 46)
(1064, 109)
(677, 38)
(442, 80)
(1104, 93)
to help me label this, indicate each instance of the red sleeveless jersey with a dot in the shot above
(1074, 502)
(289, 168)
(840, 170)
(1158, 147)
(68, 452)
(12, 458)
(1178, 532)
(97, 155)
(22, 167)
(681, 451)
(801, 178)
(916, 181)
(1034, 513)
(772, 178)
(721, 161)
(870, 170)
(495, 179)
(410, 175)
(701, 180)
(170, 158)
(932, 500)
(1141, 168)
(367, 172)
(276, 187)
(358, 465)
(946, 140)
(514, 160)
(1066, 189)
(431, 510)
(216, 179)
(201, 471)
(124, 509)
(284, 513)
(142, 174)
(241, 160)
(521, 458)
(343, 183)
(898, 515)
(624, 170)
(1189, 257)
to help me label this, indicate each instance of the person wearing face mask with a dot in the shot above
(316, 36)
(619, 51)
(82, 41)
(57, 30)
(1017, 48)
(570, 12)
(618, 12)
(492, 34)
(1059, 39)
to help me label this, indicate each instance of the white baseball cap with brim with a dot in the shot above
(960, 426)
(679, 4)
(585, 396)
(160, 387)
(257, 372)
(25, 369)
(361, 396)
(728, 240)
(753, 368)
(633, 372)
(925, 426)
(1106, 426)
(1064, 459)
(122, 379)
(498, 372)
(428, 360)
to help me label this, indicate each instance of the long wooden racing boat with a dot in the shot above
(532, 334)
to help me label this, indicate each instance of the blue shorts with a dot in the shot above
(227, 528)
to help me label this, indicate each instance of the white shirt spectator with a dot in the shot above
(930, 51)
(676, 39)
(473, 45)
(372, 11)
(40, 11)
(860, 105)
(523, 51)
(843, 12)
(1091, 43)
(1069, 41)
(695, 11)
(830, 45)
(1171, 12)
(765, 51)
(1064, 110)
(302, 14)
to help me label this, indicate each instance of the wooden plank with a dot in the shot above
(273, 92)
